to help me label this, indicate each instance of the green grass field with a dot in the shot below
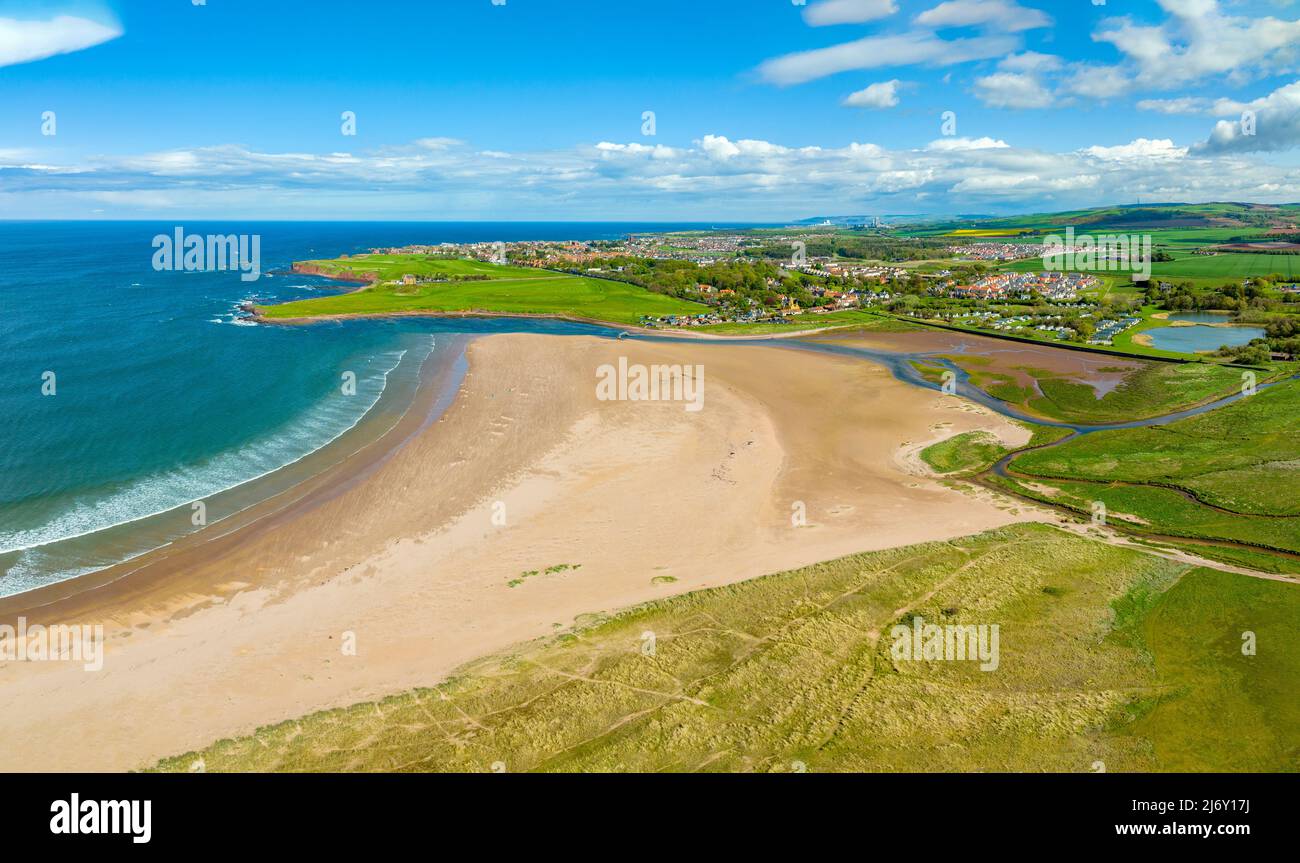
(1210, 716)
(963, 453)
(1154, 389)
(1227, 266)
(810, 323)
(977, 451)
(508, 290)
(1105, 655)
(393, 267)
(1231, 474)
(1163, 511)
(1244, 457)
(1180, 240)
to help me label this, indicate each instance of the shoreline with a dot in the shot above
(437, 381)
(1164, 357)
(153, 532)
(243, 630)
(257, 317)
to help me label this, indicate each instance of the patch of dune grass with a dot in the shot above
(794, 671)
(964, 453)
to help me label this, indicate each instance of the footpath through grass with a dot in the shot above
(1105, 654)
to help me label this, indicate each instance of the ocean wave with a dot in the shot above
(163, 492)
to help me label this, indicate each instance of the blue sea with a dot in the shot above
(163, 396)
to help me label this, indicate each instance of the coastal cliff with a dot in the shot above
(307, 268)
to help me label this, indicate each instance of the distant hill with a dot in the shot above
(857, 221)
(1134, 217)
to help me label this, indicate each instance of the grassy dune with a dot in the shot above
(506, 290)
(1106, 654)
(971, 451)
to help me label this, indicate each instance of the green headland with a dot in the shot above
(444, 285)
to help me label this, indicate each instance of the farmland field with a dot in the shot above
(1229, 266)
(1211, 269)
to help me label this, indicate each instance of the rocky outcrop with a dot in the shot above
(310, 269)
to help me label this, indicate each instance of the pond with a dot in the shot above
(1202, 317)
(1190, 340)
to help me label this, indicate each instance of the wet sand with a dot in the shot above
(1000, 357)
(404, 552)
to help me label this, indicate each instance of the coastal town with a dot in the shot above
(804, 278)
(736, 276)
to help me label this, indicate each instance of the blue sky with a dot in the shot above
(764, 109)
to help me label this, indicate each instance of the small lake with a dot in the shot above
(1190, 340)
(1202, 317)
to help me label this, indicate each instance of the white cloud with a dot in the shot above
(1030, 61)
(875, 52)
(657, 151)
(1095, 82)
(1034, 80)
(881, 95)
(438, 143)
(951, 144)
(1198, 40)
(1275, 121)
(999, 14)
(1181, 105)
(828, 12)
(22, 41)
(713, 178)
(1141, 149)
(1012, 90)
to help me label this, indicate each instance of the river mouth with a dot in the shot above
(902, 353)
(114, 550)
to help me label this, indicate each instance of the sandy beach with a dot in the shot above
(411, 556)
